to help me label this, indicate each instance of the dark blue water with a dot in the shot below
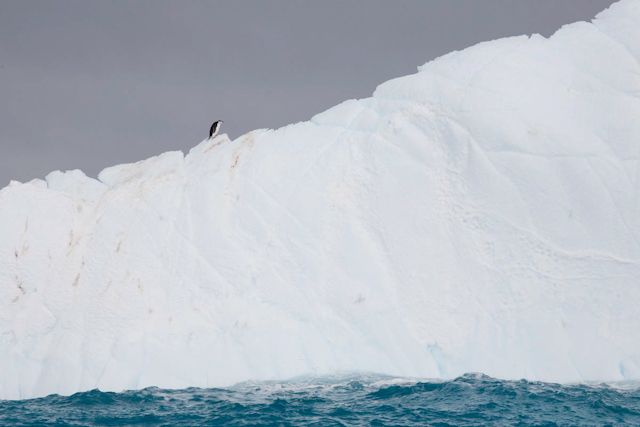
(471, 400)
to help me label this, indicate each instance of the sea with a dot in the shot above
(344, 400)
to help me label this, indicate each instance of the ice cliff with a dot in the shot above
(480, 215)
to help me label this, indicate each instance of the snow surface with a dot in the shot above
(480, 215)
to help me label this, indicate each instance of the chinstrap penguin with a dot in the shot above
(215, 127)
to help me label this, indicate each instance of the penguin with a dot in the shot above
(215, 127)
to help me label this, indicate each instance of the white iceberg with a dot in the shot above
(480, 215)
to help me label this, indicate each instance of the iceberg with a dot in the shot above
(480, 215)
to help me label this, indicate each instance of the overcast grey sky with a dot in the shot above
(89, 84)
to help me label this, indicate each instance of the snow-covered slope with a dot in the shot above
(480, 215)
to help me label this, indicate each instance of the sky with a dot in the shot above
(87, 84)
